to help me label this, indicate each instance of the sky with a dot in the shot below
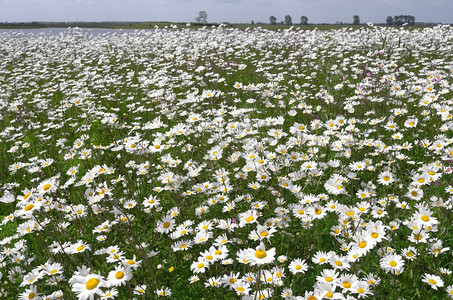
(233, 11)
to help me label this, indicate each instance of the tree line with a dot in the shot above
(400, 20)
(396, 20)
(288, 20)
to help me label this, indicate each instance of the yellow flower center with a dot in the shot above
(29, 207)
(92, 283)
(346, 285)
(338, 263)
(264, 234)
(250, 219)
(31, 295)
(432, 281)
(209, 257)
(329, 279)
(392, 263)
(240, 289)
(200, 265)
(424, 218)
(374, 235)
(360, 290)
(119, 275)
(362, 244)
(298, 267)
(260, 254)
(46, 187)
(80, 248)
(130, 262)
(166, 224)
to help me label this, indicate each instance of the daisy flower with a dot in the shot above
(213, 282)
(140, 290)
(166, 225)
(424, 218)
(86, 287)
(260, 256)
(362, 289)
(194, 279)
(53, 269)
(339, 262)
(433, 280)
(79, 247)
(385, 178)
(248, 217)
(449, 291)
(321, 257)
(287, 293)
(220, 252)
(29, 294)
(282, 258)
(208, 255)
(109, 294)
(348, 282)
(164, 292)
(119, 276)
(32, 277)
(392, 263)
(409, 253)
(298, 266)
(328, 276)
(47, 186)
(241, 287)
(372, 280)
(182, 245)
(199, 266)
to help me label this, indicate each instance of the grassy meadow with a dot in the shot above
(222, 163)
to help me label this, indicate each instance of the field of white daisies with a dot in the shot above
(227, 164)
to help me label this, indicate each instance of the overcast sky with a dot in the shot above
(234, 11)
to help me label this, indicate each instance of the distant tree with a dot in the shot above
(389, 20)
(273, 20)
(356, 20)
(202, 17)
(303, 20)
(404, 19)
(253, 22)
(288, 20)
(397, 20)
